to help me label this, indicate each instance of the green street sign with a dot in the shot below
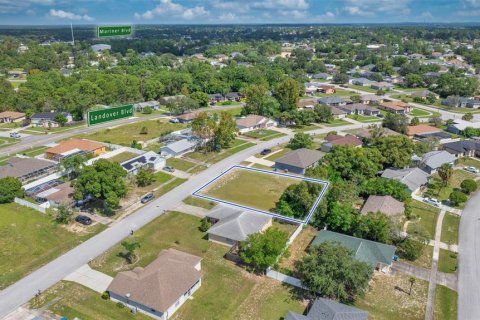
(113, 31)
(110, 114)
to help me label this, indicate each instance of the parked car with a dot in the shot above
(432, 201)
(265, 152)
(169, 169)
(471, 169)
(15, 135)
(83, 220)
(147, 198)
(174, 120)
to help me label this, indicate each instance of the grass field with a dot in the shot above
(180, 164)
(227, 291)
(213, 157)
(124, 156)
(233, 111)
(363, 88)
(250, 188)
(420, 113)
(364, 118)
(469, 162)
(197, 202)
(447, 261)
(124, 135)
(445, 303)
(409, 89)
(338, 92)
(28, 152)
(31, 130)
(264, 134)
(30, 239)
(278, 154)
(427, 217)
(388, 298)
(450, 227)
(306, 128)
(336, 123)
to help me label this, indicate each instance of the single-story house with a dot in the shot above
(395, 106)
(324, 88)
(424, 94)
(326, 309)
(298, 161)
(178, 148)
(187, 117)
(149, 160)
(231, 225)
(463, 148)
(381, 85)
(100, 47)
(322, 75)
(384, 204)
(376, 254)
(216, 97)
(165, 100)
(159, 289)
(61, 194)
(336, 140)
(461, 102)
(361, 82)
(47, 119)
(254, 122)
(371, 99)
(367, 133)
(11, 116)
(337, 113)
(72, 147)
(154, 105)
(433, 160)
(459, 125)
(311, 87)
(26, 169)
(360, 109)
(233, 96)
(413, 178)
(306, 103)
(420, 129)
(332, 101)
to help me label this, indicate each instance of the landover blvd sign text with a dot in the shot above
(109, 114)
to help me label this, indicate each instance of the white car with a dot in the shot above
(471, 169)
(432, 201)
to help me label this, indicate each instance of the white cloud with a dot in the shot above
(368, 8)
(69, 15)
(169, 8)
(282, 4)
(14, 6)
(228, 17)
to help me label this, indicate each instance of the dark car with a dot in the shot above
(265, 152)
(83, 220)
(169, 169)
(147, 198)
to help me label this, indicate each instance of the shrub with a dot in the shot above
(410, 249)
(457, 197)
(468, 186)
(105, 295)
(204, 225)
(144, 130)
(120, 305)
(147, 110)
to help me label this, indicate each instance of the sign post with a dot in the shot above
(113, 31)
(110, 114)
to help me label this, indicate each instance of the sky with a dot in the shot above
(51, 12)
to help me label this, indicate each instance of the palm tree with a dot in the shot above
(445, 172)
(412, 281)
(376, 131)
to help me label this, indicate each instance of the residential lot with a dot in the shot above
(213, 157)
(264, 134)
(450, 227)
(30, 239)
(427, 217)
(442, 192)
(445, 303)
(447, 261)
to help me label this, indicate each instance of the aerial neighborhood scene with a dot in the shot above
(247, 160)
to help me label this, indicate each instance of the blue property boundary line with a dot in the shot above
(197, 194)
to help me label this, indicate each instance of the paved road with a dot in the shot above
(469, 261)
(23, 290)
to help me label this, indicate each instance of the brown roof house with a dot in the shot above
(298, 161)
(395, 107)
(27, 169)
(420, 129)
(71, 147)
(254, 122)
(11, 116)
(159, 289)
(384, 204)
(336, 140)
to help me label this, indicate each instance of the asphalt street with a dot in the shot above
(25, 289)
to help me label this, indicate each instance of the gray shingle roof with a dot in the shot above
(180, 145)
(301, 158)
(413, 178)
(435, 159)
(331, 100)
(462, 146)
(384, 204)
(236, 224)
(326, 309)
(18, 166)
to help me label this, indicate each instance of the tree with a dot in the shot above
(445, 172)
(323, 113)
(436, 121)
(468, 186)
(225, 131)
(287, 93)
(300, 140)
(203, 126)
(130, 247)
(415, 121)
(136, 145)
(329, 270)
(412, 282)
(204, 225)
(181, 104)
(263, 249)
(259, 103)
(340, 78)
(60, 119)
(72, 165)
(396, 150)
(457, 197)
(103, 180)
(396, 122)
(373, 226)
(410, 249)
(144, 177)
(147, 110)
(385, 187)
(201, 98)
(467, 116)
(10, 187)
(63, 215)
(297, 199)
(469, 132)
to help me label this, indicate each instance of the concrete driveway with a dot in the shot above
(90, 278)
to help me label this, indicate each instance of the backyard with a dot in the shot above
(30, 239)
(121, 157)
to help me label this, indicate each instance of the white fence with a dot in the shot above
(41, 208)
(284, 278)
(295, 234)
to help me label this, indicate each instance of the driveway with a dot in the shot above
(93, 279)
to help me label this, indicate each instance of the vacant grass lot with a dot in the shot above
(264, 134)
(180, 164)
(420, 113)
(469, 162)
(447, 261)
(226, 291)
(388, 298)
(445, 303)
(250, 188)
(362, 88)
(450, 227)
(426, 217)
(124, 135)
(213, 157)
(198, 202)
(336, 123)
(425, 259)
(29, 239)
(278, 154)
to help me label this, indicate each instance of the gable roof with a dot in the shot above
(301, 158)
(162, 282)
(347, 140)
(421, 129)
(384, 204)
(434, 159)
(80, 144)
(12, 115)
(180, 145)
(413, 178)
(326, 309)
(250, 121)
(18, 166)
(462, 146)
(47, 115)
(236, 224)
(367, 251)
(331, 100)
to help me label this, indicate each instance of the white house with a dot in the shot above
(148, 160)
(178, 148)
(254, 122)
(47, 119)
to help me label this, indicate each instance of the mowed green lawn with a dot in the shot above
(417, 112)
(121, 157)
(450, 225)
(264, 134)
(124, 135)
(250, 188)
(447, 261)
(227, 291)
(426, 217)
(445, 303)
(29, 239)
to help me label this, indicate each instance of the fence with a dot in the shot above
(31, 205)
(295, 234)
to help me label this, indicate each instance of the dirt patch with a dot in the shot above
(298, 248)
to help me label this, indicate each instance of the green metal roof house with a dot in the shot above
(376, 254)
